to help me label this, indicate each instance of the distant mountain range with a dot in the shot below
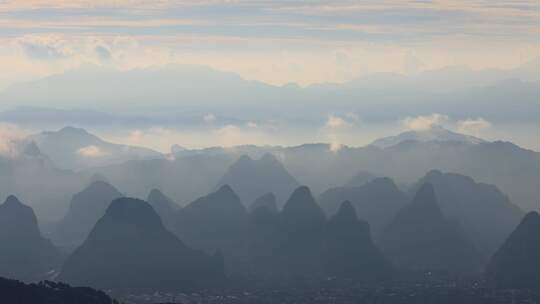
(455, 91)
(514, 170)
(76, 149)
(253, 178)
(432, 134)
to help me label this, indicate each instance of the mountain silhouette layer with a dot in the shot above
(130, 248)
(165, 207)
(349, 250)
(213, 222)
(376, 202)
(86, 208)
(24, 253)
(420, 238)
(486, 214)
(253, 178)
(515, 265)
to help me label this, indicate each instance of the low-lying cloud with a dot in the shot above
(425, 122)
(473, 126)
(91, 152)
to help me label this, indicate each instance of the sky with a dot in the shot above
(277, 42)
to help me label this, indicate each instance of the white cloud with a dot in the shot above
(473, 126)
(252, 124)
(209, 118)
(424, 122)
(336, 122)
(335, 147)
(11, 137)
(91, 152)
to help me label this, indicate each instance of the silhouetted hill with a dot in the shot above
(253, 178)
(164, 207)
(376, 202)
(486, 215)
(24, 253)
(47, 292)
(349, 251)
(420, 238)
(213, 222)
(130, 248)
(300, 235)
(516, 263)
(267, 200)
(86, 208)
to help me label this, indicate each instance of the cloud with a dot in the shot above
(11, 140)
(91, 152)
(335, 147)
(45, 47)
(336, 122)
(473, 126)
(424, 122)
(208, 118)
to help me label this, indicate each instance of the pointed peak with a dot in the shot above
(301, 193)
(226, 190)
(132, 209)
(155, 192)
(346, 212)
(301, 200)
(12, 200)
(531, 217)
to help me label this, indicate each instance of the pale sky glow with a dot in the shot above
(272, 41)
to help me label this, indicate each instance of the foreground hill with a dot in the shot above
(24, 253)
(515, 265)
(86, 208)
(420, 238)
(130, 248)
(214, 222)
(349, 251)
(48, 292)
(299, 242)
(486, 214)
